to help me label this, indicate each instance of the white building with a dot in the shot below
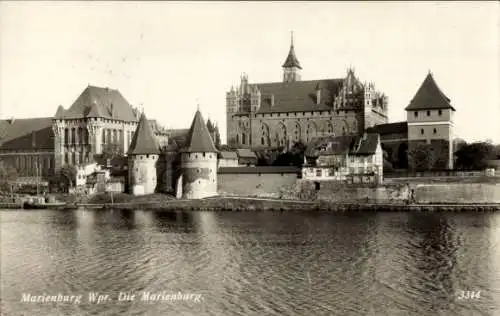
(351, 159)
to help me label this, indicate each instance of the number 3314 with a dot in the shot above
(469, 295)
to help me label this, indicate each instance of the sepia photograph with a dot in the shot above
(234, 158)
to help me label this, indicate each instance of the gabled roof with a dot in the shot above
(29, 133)
(341, 145)
(144, 141)
(199, 139)
(100, 102)
(429, 97)
(298, 96)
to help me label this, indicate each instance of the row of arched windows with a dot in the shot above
(281, 135)
(76, 135)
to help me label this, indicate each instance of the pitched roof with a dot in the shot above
(339, 145)
(60, 112)
(100, 102)
(298, 96)
(429, 96)
(291, 59)
(199, 139)
(389, 128)
(246, 153)
(144, 140)
(29, 133)
(228, 155)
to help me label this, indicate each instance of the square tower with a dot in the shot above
(430, 120)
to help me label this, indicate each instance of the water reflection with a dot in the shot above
(264, 263)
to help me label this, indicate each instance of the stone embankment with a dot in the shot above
(262, 204)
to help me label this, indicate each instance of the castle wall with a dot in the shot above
(142, 174)
(458, 193)
(254, 184)
(199, 175)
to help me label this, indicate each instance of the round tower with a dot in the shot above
(142, 157)
(199, 162)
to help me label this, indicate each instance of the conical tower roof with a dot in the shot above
(144, 141)
(429, 97)
(199, 139)
(291, 59)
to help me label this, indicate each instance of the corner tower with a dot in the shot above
(199, 162)
(430, 120)
(291, 67)
(142, 156)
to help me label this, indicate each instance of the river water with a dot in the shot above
(236, 263)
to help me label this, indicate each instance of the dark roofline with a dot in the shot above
(260, 170)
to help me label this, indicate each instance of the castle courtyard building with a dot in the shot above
(278, 114)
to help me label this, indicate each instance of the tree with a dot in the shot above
(475, 156)
(110, 151)
(458, 143)
(64, 178)
(8, 177)
(421, 158)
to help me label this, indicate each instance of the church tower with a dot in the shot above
(291, 67)
(142, 156)
(430, 120)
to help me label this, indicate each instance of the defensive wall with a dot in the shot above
(284, 182)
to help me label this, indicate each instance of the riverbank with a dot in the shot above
(160, 202)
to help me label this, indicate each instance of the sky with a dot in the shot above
(171, 57)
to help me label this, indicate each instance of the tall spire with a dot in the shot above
(291, 59)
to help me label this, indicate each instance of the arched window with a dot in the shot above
(66, 136)
(310, 131)
(296, 132)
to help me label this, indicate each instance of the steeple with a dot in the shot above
(291, 66)
(144, 141)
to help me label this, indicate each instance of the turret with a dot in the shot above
(199, 162)
(142, 156)
(255, 99)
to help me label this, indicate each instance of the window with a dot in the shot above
(428, 113)
(415, 113)
(422, 131)
(434, 131)
(318, 172)
(440, 112)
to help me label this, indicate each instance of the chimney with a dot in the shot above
(12, 120)
(318, 96)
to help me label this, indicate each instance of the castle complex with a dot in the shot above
(259, 116)
(278, 114)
